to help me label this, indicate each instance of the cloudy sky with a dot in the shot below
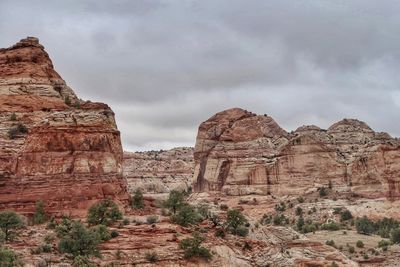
(165, 66)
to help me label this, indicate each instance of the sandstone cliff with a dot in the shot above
(53, 146)
(157, 172)
(239, 152)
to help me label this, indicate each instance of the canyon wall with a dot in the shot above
(53, 146)
(238, 152)
(156, 172)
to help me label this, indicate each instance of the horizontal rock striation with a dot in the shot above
(156, 172)
(53, 146)
(239, 152)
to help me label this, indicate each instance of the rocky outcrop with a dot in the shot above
(53, 146)
(239, 152)
(156, 172)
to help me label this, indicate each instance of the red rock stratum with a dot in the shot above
(238, 152)
(53, 146)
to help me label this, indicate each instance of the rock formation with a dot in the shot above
(238, 152)
(159, 171)
(53, 146)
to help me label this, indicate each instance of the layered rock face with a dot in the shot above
(53, 146)
(239, 152)
(156, 172)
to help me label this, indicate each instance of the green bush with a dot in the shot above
(299, 211)
(8, 258)
(80, 241)
(39, 216)
(192, 247)
(280, 220)
(331, 226)
(204, 211)
(16, 130)
(280, 207)
(345, 215)
(138, 202)
(300, 223)
(309, 228)
(220, 233)
(175, 201)
(383, 243)
(224, 207)
(152, 219)
(364, 226)
(323, 191)
(102, 232)
(151, 256)
(9, 223)
(13, 117)
(351, 249)
(105, 212)
(330, 243)
(395, 236)
(82, 261)
(186, 216)
(359, 244)
(235, 222)
(300, 199)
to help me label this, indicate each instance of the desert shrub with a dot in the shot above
(104, 212)
(364, 226)
(299, 211)
(359, 244)
(330, 226)
(300, 223)
(10, 222)
(383, 243)
(224, 207)
(82, 261)
(13, 117)
(138, 202)
(235, 222)
(14, 131)
(395, 236)
(345, 215)
(280, 220)
(220, 233)
(39, 216)
(125, 221)
(102, 232)
(330, 243)
(49, 238)
(309, 228)
(280, 207)
(186, 216)
(64, 227)
(151, 256)
(67, 100)
(300, 199)
(114, 234)
(175, 201)
(334, 264)
(152, 219)
(8, 258)
(204, 211)
(192, 247)
(322, 191)
(351, 249)
(80, 241)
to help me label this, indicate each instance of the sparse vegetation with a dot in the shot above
(8, 258)
(192, 247)
(176, 200)
(10, 222)
(330, 243)
(331, 226)
(186, 216)
(105, 212)
(17, 130)
(152, 219)
(345, 215)
(360, 244)
(236, 222)
(39, 216)
(364, 226)
(138, 202)
(151, 256)
(13, 117)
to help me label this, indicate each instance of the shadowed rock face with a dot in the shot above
(70, 155)
(239, 152)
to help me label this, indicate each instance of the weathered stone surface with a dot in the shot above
(70, 155)
(239, 152)
(156, 172)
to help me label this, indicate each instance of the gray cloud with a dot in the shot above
(166, 65)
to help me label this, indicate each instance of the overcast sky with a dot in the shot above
(164, 66)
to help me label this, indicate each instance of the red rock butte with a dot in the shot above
(238, 152)
(53, 146)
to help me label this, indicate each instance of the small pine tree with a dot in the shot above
(105, 212)
(138, 199)
(176, 200)
(192, 247)
(13, 117)
(39, 216)
(235, 222)
(9, 223)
